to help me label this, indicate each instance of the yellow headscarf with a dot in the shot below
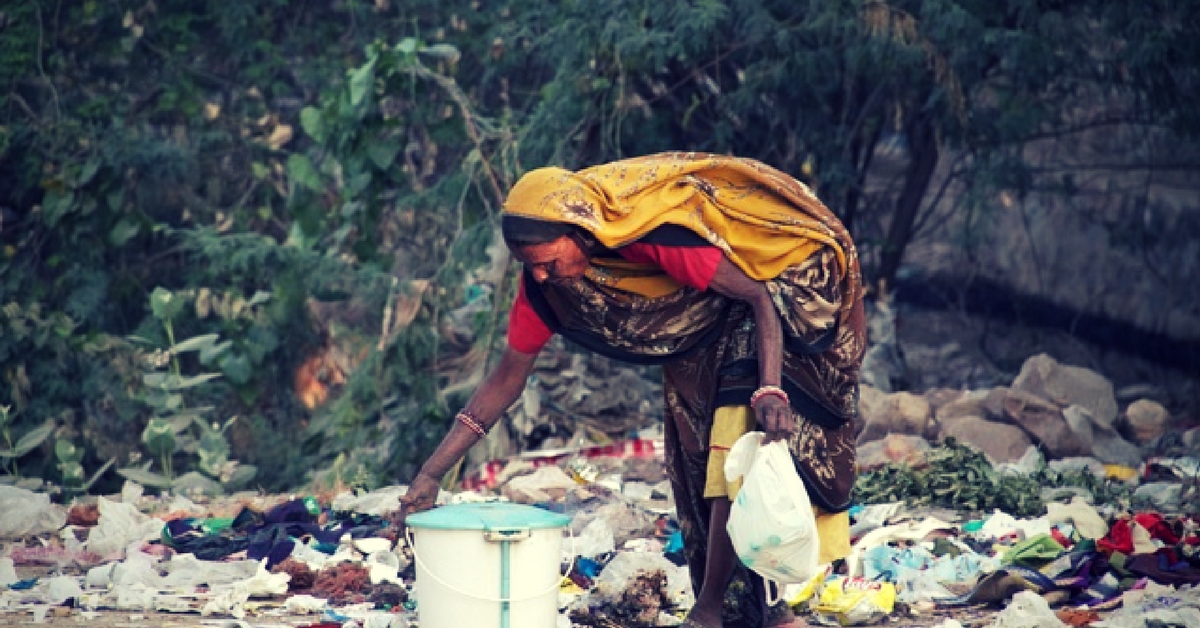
(762, 219)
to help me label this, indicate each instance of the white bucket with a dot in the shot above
(487, 565)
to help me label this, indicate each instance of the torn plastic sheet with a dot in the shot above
(26, 513)
(120, 525)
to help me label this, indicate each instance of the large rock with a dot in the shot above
(898, 413)
(1191, 438)
(1104, 443)
(1065, 385)
(1045, 422)
(1147, 420)
(993, 404)
(1001, 442)
(975, 403)
(940, 397)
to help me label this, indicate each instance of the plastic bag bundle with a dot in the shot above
(771, 522)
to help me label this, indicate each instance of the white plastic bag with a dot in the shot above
(771, 522)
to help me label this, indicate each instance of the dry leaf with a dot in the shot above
(280, 136)
(211, 111)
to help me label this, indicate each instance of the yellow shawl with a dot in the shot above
(762, 219)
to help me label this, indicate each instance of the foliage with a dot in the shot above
(959, 477)
(260, 160)
(26, 444)
(175, 425)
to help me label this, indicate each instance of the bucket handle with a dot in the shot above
(486, 598)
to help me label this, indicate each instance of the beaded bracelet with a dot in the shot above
(468, 419)
(766, 391)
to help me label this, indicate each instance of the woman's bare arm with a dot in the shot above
(773, 414)
(497, 392)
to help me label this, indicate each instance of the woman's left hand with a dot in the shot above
(775, 418)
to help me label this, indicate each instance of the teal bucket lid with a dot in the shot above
(487, 517)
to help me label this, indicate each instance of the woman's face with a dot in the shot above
(557, 261)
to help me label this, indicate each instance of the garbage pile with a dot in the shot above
(1044, 504)
(304, 561)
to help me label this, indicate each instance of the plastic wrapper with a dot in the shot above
(854, 602)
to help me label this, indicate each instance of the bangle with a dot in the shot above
(767, 391)
(469, 420)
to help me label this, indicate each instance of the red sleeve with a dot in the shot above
(526, 331)
(693, 266)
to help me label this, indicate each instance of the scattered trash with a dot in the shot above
(854, 602)
(26, 513)
(953, 540)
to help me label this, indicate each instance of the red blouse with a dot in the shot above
(692, 266)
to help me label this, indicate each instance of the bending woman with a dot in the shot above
(734, 278)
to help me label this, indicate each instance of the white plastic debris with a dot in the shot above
(230, 599)
(304, 604)
(131, 492)
(372, 545)
(615, 578)
(1002, 524)
(8, 572)
(25, 513)
(874, 517)
(384, 566)
(596, 539)
(907, 531)
(1026, 465)
(1027, 610)
(1087, 521)
(185, 570)
(120, 525)
(315, 559)
(63, 588)
(377, 503)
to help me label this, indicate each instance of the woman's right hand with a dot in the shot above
(421, 495)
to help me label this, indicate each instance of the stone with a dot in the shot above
(1103, 441)
(870, 400)
(1000, 442)
(971, 404)
(898, 413)
(1066, 385)
(1191, 438)
(1045, 422)
(893, 449)
(993, 404)
(1146, 420)
(1110, 448)
(940, 397)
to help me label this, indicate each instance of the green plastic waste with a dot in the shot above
(1034, 551)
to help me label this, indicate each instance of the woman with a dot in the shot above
(741, 284)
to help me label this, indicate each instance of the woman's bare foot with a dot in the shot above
(702, 619)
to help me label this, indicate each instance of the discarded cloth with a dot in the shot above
(1086, 520)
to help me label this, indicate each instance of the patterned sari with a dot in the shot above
(776, 231)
